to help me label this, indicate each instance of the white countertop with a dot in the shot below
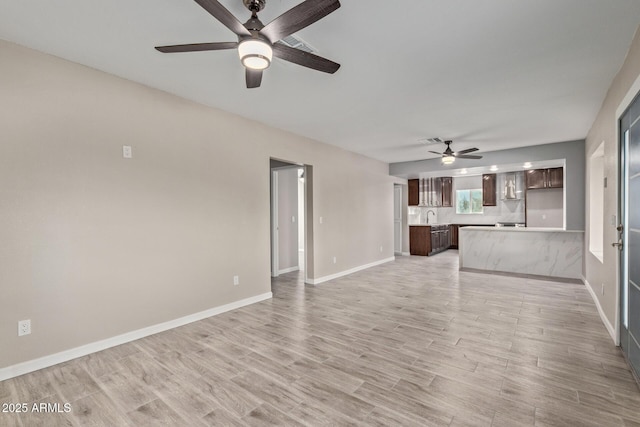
(522, 229)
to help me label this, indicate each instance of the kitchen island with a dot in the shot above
(544, 252)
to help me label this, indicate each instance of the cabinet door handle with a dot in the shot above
(618, 245)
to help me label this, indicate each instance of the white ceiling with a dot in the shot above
(488, 73)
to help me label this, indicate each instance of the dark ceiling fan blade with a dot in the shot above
(227, 19)
(254, 78)
(305, 59)
(468, 150)
(435, 152)
(468, 156)
(197, 47)
(297, 18)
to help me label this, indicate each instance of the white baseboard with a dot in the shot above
(603, 317)
(63, 356)
(289, 270)
(406, 253)
(350, 271)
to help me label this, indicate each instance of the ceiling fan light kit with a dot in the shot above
(258, 43)
(255, 54)
(447, 160)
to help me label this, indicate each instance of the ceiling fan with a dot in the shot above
(258, 43)
(449, 156)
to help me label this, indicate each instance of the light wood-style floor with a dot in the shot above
(414, 342)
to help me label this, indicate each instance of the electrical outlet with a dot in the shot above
(335, 260)
(602, 290)
(24, 327)
(321, 220)
(127, 152)
(380, 248)
(236, 280)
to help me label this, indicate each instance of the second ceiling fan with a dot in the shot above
(449, 156)
(258, 43)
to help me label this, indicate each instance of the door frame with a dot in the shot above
(397, 204)
(308, 218)
(631, 94)
(275, 243)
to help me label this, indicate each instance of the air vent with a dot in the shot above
(297, 43)
(429, 141)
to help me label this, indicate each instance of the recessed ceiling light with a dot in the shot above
(527, 165)
(493, 168)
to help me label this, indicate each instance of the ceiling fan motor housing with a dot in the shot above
(254, 5)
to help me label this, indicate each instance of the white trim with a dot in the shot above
(603, 317)
(628, 98)
(275, 245)
(406, 253)
(66, 355)
(289, 270)
(350, 271)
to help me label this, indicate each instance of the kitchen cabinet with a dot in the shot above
(419, 240)
(447, 191)
(436, 192)
(545, 178)
(439, 238)
(453, 236)
(414, 192)
(556, 177)
(431, 192)
(489, 191)
(428, 240)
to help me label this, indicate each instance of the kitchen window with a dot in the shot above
(469, 201)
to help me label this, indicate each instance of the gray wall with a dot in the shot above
(573, 152)
(544, 208)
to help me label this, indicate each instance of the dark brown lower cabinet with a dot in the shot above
(419, 240)
(439, 239)
(453, 232)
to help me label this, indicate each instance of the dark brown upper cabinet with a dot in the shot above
(436, 192)
(556, 177)
(447, 192)
(489, 193)
(414, 192)
(545, 178)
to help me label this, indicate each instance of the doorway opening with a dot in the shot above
(290, 223)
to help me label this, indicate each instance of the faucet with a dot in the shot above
(428, 212)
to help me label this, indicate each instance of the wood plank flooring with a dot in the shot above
(414, 343)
